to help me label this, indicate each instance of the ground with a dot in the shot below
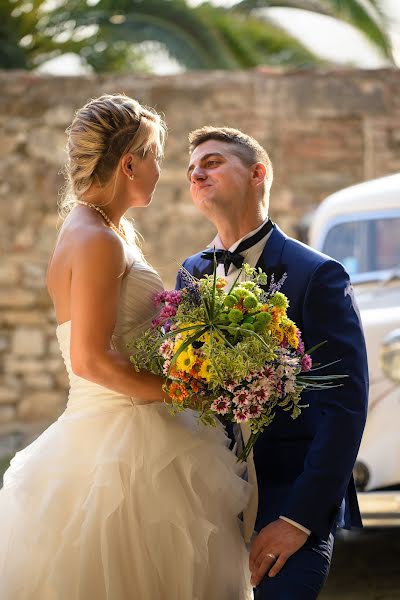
(365, 567)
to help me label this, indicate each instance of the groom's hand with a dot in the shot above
(279, 539)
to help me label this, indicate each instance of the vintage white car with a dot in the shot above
(360, 227)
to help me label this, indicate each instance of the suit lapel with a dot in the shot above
(204, 267)
(270, 260)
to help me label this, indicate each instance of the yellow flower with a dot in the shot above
(205, 369)
(186, 360)
(221, 283)
(189, 332)
(277, 333)
(205, 338)
(178, 344)
(184, 335)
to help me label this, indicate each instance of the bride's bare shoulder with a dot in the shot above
(85, 245)
(88, 239)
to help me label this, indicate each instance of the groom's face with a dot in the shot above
(218, 178)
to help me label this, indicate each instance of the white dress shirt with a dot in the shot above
(251, 257)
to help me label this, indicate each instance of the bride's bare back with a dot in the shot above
(79, 227)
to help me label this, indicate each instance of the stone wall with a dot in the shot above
(324, 130)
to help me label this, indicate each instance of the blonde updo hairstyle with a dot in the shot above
(102, 132)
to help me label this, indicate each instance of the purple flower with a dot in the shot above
(191, 285)
(273, 287)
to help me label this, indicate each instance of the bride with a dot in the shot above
(118, 499)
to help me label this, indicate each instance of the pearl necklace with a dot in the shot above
(119, 230)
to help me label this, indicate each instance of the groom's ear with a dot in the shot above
(258, 174)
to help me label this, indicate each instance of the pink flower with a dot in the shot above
(221, 405)
(230, 385)
(167, 349)
(172, 297)
(261, 395)
(300, 347)
(256, 385)
(306, 363)
(290, 387)
(251, 376)
(160, 297)
(241, 398)
(268, 373)
(263, 382)
(166, 313)
(156, 322)
(166, 367)
(240, 416)
(280, 371)
(279, 387)
(253, 411)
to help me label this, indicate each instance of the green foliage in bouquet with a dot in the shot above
(231, 353)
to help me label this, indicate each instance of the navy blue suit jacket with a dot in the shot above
(304, 466)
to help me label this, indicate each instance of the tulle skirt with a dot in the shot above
(129, 503)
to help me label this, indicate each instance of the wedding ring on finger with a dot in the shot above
(270, 555)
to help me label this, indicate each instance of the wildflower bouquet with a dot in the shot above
(233, 353)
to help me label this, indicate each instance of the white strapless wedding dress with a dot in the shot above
(119, 500)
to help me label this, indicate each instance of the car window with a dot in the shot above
(365, 246)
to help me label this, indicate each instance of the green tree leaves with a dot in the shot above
(108, 35)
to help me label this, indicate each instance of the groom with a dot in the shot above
(303, 467)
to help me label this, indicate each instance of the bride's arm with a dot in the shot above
(98, 265)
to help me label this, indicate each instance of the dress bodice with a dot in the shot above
(136, 307)
(136, 310)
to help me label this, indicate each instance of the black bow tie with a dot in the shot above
(228, 258)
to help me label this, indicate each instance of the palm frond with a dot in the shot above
(257, 42)
(187, 35)
(205, 37)
(368, 16)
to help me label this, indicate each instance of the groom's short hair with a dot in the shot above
(245, 147)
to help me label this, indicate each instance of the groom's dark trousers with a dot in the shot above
(304, 466)
(303, 575)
